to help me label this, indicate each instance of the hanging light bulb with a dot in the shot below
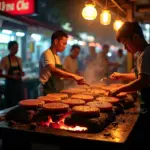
(105, 17)
(89, 12)
(117, 24)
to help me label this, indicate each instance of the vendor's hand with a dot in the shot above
(113, 92)
(115, 76)
(79, 79)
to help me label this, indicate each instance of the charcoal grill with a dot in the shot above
(117, 135)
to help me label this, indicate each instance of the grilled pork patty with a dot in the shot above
(83, 97)
(31, 103)
(55, 107)
(73, 102)
(101, 105)
(86, 111)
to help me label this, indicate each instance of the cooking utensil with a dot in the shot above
(103, 79)
(87, 84)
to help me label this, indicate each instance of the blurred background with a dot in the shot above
(32, 22)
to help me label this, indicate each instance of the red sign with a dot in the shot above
(18, 7)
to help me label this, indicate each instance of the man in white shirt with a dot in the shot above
(71, 62)
(50, 69)
(121, 62)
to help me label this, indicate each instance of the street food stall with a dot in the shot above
(82, 115)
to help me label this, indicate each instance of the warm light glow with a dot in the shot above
(70, 37)
(98, 45)
(117, 135)
(105, 17)
(61, 125)
(89, 12)
(46, 123)
(117, 24)
(92, 44)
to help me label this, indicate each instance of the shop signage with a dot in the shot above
(18, 7)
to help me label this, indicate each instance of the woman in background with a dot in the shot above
(11, 65)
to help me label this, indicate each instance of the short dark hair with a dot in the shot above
(128, 29)
(120, 50)
(58, 35)
(106, 46)
(12, 43)
(75, 46)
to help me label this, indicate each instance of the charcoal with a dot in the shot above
(12, 123)
(118, 108)
(128, 101)
(93, 124)
(33, 125)
(2, 118)
(20, 114)
(107, 134)
(41, 116)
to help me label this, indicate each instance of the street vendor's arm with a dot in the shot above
(135, 85)
(64, 74)
(49, 63)
(123, 76)
(143, 80)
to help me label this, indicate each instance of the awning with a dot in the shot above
(22, 20)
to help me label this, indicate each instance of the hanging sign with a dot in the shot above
(18, 7)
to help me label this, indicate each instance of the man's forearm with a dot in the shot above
(132, 86)
(61, 72)
(128, 76)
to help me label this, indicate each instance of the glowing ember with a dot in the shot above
(61, 125)
(47, 123)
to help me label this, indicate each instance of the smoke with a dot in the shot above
(95, 70)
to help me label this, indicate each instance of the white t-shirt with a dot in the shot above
(143, 62)
(46, 58)
(70, 64)
(122, 63)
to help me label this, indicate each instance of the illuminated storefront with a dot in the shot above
(13, 28)
(38, 40)
(10, 35)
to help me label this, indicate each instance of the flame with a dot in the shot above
(46, 123)
(61, 125)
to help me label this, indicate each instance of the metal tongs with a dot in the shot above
(84, 83)
(105, 79)
(87, 84)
